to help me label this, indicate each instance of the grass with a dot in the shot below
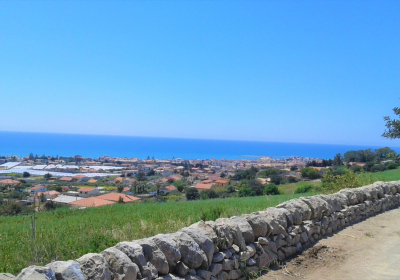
(68, 234)
(290, 188)
(388, 175)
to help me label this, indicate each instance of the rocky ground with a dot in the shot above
(367, 250)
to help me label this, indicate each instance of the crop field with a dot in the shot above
(68, 234)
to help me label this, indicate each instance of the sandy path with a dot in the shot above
(367, 250)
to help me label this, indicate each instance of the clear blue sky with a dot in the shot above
(291, 71)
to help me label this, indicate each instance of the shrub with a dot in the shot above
(309, 173)
(203, 196)
(231, 189)
(303, 189)
(292, 179)
(211, 214)
(192, 194)
(271, 189)
(391, 165)
(210, 193)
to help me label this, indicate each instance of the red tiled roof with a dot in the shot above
(91, 202)
(66, 179)
(203, 186)
(170, 188)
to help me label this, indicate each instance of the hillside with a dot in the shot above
(67, 234)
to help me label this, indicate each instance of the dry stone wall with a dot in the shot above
(226, 248)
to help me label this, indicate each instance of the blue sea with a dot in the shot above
(93, 146)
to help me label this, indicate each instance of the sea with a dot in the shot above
(94, 146)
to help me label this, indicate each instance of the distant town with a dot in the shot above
(79, 182)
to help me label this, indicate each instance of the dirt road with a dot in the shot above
(367, 250)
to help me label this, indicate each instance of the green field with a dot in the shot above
(68, 234)
(388, 175)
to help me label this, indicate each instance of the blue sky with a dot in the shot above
(290, 71)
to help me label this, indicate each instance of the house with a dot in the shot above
(8, 182)
(48, 194)
(208, 181)
(65, 199)
(203, 187)
(119, 180)
(116, 196)
(88, 191)
(80, 178)
(90, 202)
(264, 181)
(66, 179)
(168, 189)
(92, 181)
(222, 183)
(37, 189)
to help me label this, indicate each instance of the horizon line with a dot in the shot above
(188, 138)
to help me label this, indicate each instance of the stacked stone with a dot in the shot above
(227, 248)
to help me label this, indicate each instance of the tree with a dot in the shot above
(42, 198)
(78, 159)
(151, 172)
(392, 126)
(50, 205)
(120, 200)
(271, 189)
(140, 176)
(293, 168)
(192, 194)
(26, 174)
(120, 187)
(310, 173)
(222, 175)
(337, 160)
(134, 186)
(47, 176)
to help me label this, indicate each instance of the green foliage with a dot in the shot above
(292, 179)
(392, 126)
(192, 194)
(266, 173)
(277, 180)
(203, 196)
(337, 160)
(333, 183)
(211, 214)
(310, 173)
(26, 174)
(304, 189)
(293, 168)
(231, 189)
(391, 165)
(210, 194)
(271, 189)
(120, 200)
(69, 234)
(42, 198)
(50, 205)
(246, 174)
(120, 187)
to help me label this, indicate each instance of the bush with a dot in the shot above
(26, 174)
(231, 189)
(303, 189)
(203, 196)
(377, 168)
(309, 173)
(391, 165)
(271, 189)
(292, 179)
(210, 193)
(192, 194)
(243, 192)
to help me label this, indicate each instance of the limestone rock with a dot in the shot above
(66, 270)
(135, 253)
(94, 266)
(204, 274)
(202, 239)
(297, 207)
(191, 253)
(209, 229)
(181, 269)
(318, 206)
(258, 224)
(235, 232)
(153, 255)
(215, 268)
(245, 228)
(6, 276)
(37, 273)
(169, 248)
(120, 265)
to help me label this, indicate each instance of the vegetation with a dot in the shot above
(65, 234)
(392, 126)
(271, 189)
